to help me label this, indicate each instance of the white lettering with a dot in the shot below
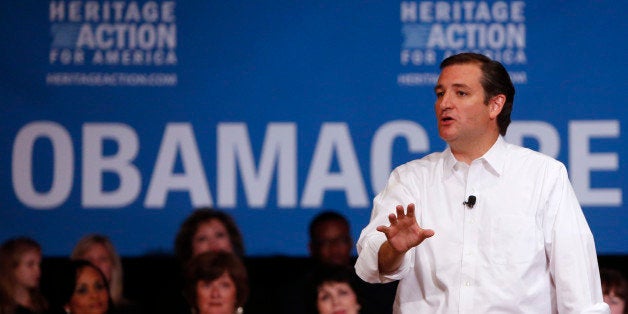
(121, 36)
(516, 11)
(494, 36)
(96, 163)
(279, 150)
(22, 161)
(56, 11)
(467, 11)
(334, 138)
(110, 178)
(582, 161)
(179, 140)
(118, 11)
(543, 133)
(408, 11)
(382, 148)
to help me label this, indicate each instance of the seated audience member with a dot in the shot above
(330, 239)
(99, 250)
(204, 230)
(216, 283)
(331, 244)
(207, 229)
(615, 290)
(20, 262)
(81, 288)
(333, 289)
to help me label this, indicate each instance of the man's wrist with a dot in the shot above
(389, 259)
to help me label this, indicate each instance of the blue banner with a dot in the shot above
(120, 117)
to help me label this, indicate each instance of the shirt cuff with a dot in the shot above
(366, 266)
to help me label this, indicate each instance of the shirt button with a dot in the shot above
(472, 221)
(467, 283)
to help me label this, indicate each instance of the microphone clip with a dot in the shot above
(470, 202)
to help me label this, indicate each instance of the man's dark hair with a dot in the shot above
(323, 217)
(495, 80)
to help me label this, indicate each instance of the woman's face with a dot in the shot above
(218, 296)
(98, 255)
(337, 298)
(28, 270)
(90, 293)
(211, 235)
(616, 303)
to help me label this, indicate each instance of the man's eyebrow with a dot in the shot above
(461, 85)
(457, 85)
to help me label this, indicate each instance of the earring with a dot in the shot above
(67, 310)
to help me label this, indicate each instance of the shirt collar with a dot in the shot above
(448, 163)
(493, 159)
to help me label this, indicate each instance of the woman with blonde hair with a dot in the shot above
(99, 250)
(20, 260)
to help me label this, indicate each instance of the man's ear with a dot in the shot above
(496, 104)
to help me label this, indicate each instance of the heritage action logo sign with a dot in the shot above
(434, 30)
(104, 43)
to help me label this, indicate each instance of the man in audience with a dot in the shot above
(330, 239)
(331, 244)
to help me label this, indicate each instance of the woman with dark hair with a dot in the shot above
(20, 260)
(99, 250)
(207, 229)
(333, 289)
(81, 288)
(216, 283)
(614, 290)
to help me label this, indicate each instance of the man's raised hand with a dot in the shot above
(404, 231)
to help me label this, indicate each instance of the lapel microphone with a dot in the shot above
(470, 201)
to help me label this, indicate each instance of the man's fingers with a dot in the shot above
(428, 233)
(393, 219)
(383, 229)
(410, 212)
(400, 211)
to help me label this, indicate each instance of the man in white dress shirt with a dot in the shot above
(484, 226)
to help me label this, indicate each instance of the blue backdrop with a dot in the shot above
(120, 117)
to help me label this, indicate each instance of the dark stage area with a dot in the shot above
(154, 282)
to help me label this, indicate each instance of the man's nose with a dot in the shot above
(445, 101)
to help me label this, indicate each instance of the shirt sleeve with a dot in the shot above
(371, 240)
(571, 251)
(366, 266)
